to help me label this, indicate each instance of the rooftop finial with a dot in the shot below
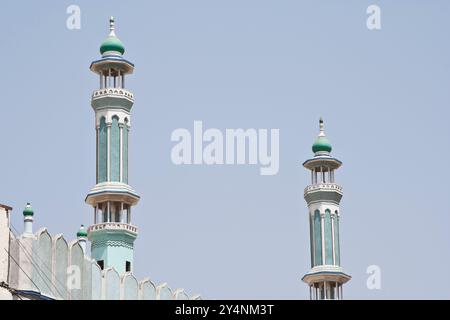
(112, 45)
(28, 219)
(28, 211)
(321, 127)
(111, 27)
(81, 232)
(321, 146)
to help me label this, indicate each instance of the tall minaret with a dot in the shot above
(326, 277)
(112, 235)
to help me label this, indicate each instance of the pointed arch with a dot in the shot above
(317, 238)
(115, 149)
(129, 286)
(102, 151)
(60, 261)
(125, 132)
(147, 290)
(75, 270)
(336, 238)
(42, 262)
(328, 238)
(96, 281)
(180, 294)
(163, 292)
(111, 284)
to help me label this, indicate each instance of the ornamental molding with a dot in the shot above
(113, 226)
(323, 186)
(112, 243)
(113, 92)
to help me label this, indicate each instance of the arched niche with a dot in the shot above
(147, 290)
(130, 287)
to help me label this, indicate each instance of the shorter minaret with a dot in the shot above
(28, 214)
(323, 196)
(82, 238)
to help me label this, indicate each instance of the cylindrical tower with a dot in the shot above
(323, 197)
(82, 238)
(112, 235)
(28, 214)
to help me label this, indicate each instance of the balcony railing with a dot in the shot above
(118, 92)
(324, 187)
(113, 226)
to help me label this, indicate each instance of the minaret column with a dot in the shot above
(28, 219)
(112, 236)
(323, 197)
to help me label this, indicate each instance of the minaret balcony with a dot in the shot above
(323, 186)
(328, 273)
(113, 227)
(112, 191)
(112, 97)
(331, 192)
(113, 92)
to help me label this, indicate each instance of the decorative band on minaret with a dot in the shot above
(112, 235)
(323, 196)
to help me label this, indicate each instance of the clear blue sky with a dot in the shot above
(228, 232)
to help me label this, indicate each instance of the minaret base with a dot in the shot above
(325, 282)
(112, 245)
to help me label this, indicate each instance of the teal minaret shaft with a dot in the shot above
(323, 196)
(112, 235)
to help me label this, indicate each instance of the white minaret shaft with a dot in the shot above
(323, 196)
(112, 235)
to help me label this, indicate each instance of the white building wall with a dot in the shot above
(4, 249)
(45, 265)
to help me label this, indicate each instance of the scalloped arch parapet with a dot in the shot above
(163, 292)
(180, 294)
(147, 290)
(62, 261)
(129, 287)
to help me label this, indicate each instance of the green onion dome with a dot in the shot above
(322, 144)
(82, 232)
(112, 43)
(28, 211)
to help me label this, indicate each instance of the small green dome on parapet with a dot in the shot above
(81, 232)
(28, 211)
(322, 144)
(112, 43)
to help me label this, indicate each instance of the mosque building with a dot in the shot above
(37, 265)
(41, 266)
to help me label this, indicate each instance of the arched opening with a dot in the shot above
(336, 239)
(102, 151)
(328, 238)
(317, 239)
(125, 152)
(115, 149)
